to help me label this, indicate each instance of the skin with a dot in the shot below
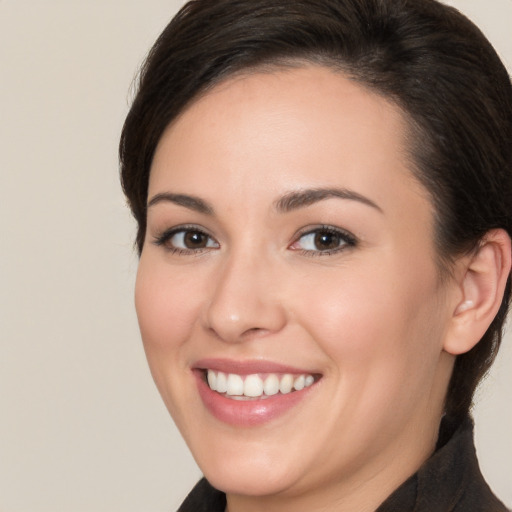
(372, 318)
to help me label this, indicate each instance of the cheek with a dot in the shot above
(349, 312)
(376, 325)
(166, 310)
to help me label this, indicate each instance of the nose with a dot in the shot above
(245, 302)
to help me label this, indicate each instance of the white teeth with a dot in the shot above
(222, 383)
(212, 379)
(235, 385)
(286, 384)
(271, 385)
(299, 383)
(254, 386)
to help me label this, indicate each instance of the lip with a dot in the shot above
(248, 367)
(247, 413)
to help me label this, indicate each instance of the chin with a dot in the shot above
(241, 464)
(250, 479)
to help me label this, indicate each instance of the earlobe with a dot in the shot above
(483, 277)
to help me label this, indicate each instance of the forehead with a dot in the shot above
(292, 128)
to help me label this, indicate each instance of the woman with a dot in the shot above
(323, 191)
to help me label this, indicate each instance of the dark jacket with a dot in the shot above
(450, 481)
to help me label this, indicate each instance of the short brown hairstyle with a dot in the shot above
(422, 55)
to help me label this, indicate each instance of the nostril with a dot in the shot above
(254, 330)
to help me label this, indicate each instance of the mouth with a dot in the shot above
(250, 393)
(256, 386)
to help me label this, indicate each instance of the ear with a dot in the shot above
(481, 279)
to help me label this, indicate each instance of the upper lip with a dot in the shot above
(247, 367)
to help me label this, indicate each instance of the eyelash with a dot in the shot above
(163, 239)
(345, 239)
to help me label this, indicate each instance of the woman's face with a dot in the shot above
(289, 246)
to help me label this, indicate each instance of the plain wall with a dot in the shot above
(82, 427)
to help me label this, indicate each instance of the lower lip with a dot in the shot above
(247, 413)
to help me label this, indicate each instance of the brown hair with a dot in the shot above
(422, 55)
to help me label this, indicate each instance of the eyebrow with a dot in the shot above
(187, 201)
(303, 198)
(287, 203)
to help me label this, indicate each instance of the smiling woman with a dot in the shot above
(322, 281)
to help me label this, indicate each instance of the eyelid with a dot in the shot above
(164, 236)
(347, 238)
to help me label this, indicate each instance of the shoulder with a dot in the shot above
(455, 471)
(450, 481)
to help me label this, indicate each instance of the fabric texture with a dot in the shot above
(450, 481)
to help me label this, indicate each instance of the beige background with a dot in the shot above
(81, 425)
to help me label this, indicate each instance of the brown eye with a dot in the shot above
(195, 240)
(325, 241)
(186, 240)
